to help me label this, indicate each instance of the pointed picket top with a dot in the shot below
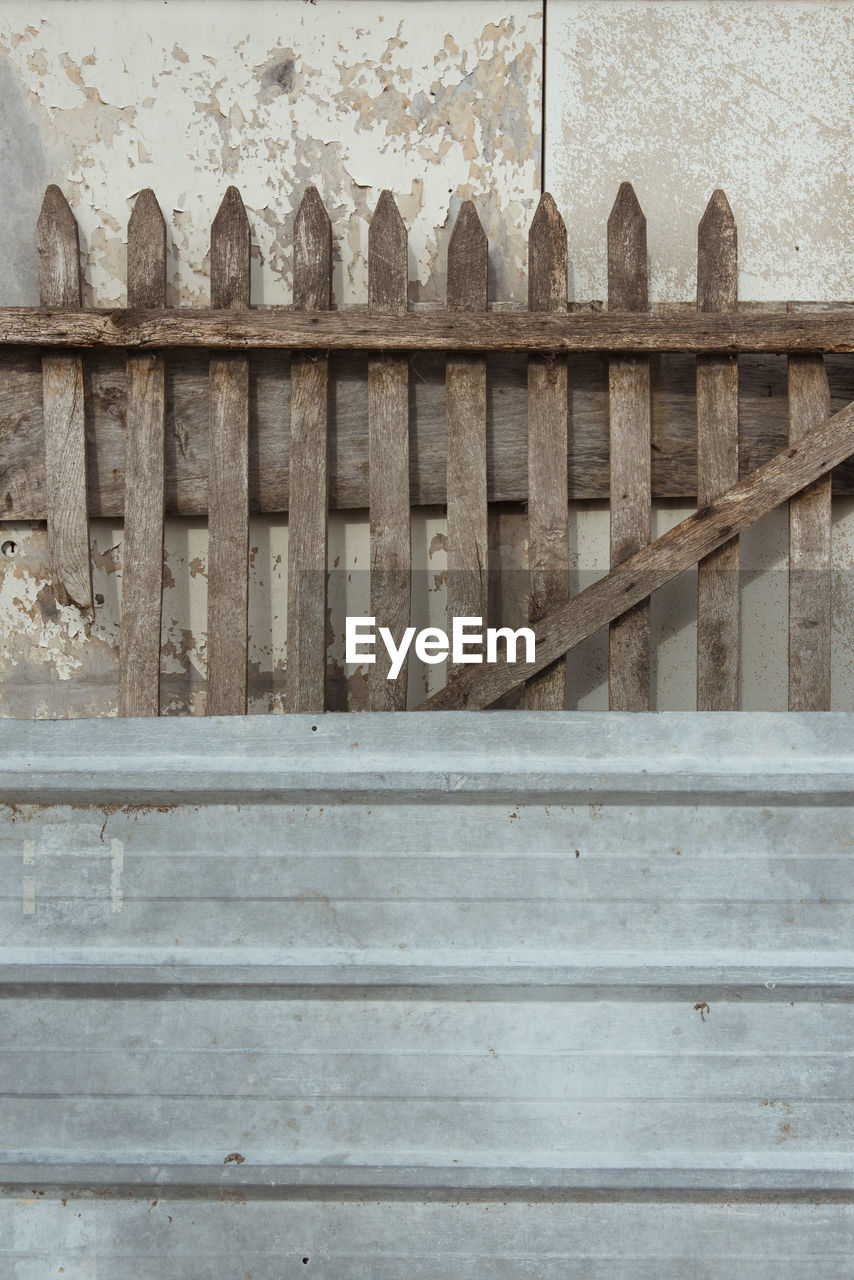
(312, 254)
(468, 258)
(230, 253)
(58, 244)
(627, 258)
(717, 256)
(146, 252)
(388, 274)
(548, 258)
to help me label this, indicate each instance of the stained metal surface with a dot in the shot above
(470, 994)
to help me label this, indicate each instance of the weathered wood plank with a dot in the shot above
(548, 507)
(142, 549)
(810, 614)
(465, 390)
(357, 329)
(718, 595)
(309, 468)
(58, 246)
(509, 578)
(763, 413)
(631, 443)
(58, 251)
(228, 479)
(388, 454)
(797, 466)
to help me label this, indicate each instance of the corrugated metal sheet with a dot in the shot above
(510, 994)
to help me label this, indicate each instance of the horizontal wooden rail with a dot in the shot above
(820, 449)
(281, 328)
(763, 429)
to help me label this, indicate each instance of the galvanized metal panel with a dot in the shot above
(509, 994)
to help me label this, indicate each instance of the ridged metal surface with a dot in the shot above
(472, 994)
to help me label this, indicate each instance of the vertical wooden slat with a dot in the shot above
(718, 607)
(388, 448)
(64, 419)
(631, 470)
(465, 401)
(307, 510)
(509, 579)
(809, 549)
(548, 510)
(142, 555)
(228, 477)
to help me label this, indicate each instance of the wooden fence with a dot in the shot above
(549, 334)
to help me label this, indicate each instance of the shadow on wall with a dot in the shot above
(22, 154)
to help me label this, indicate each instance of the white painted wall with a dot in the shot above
(682, 96)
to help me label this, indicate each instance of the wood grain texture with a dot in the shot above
(509, 578)
(58, 246)
(631, 442)
(142, 549)
(465, 397)
(763, 412)
(388, 455)
(718, 593)
(548, 508)
(810, 605)
(790, 471)
(309, 468)
(58, 250)
(357, 329)
(228, 480)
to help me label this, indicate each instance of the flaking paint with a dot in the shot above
(438, 103)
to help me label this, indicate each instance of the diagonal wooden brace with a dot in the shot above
(561, 630)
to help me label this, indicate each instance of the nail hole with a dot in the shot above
(9, 548)
(313, 730)
(305, 1259)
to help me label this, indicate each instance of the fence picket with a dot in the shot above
(548, 494)
(631, 467)
(309, 481)
(58, 246)
(627, 335)
(465, 400)
(228, 483)
(142, 551)
(809, 549)
(388, 454)
(718, 595)
(788, 472)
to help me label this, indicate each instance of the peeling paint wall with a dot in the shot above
(54, 664)
(439, 102)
